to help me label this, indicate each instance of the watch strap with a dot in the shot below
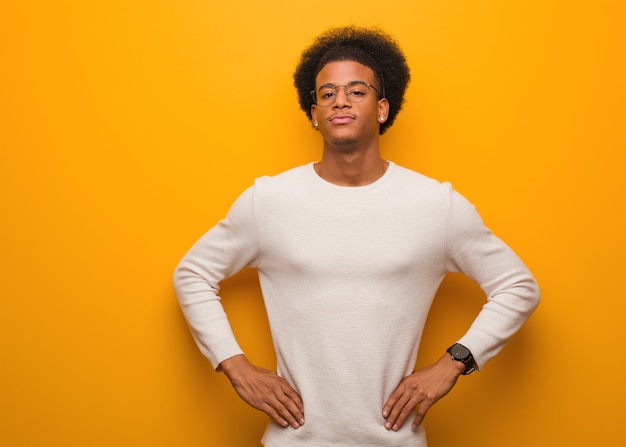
(462, 354)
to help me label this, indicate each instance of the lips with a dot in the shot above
(341, 119)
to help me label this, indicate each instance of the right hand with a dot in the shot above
(265, 390)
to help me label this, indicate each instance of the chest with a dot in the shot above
(353, 236)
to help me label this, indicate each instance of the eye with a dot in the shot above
(357, 90)
(326, 93)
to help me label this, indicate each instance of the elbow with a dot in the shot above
(177, 276)
(181, 279)
(537, 296)
(533, 295)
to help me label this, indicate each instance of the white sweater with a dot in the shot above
(348, 275)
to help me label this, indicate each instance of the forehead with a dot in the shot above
(342, 72)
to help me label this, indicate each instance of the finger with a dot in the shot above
(402, 416)
(391, 402)
(290, 407)
(287, 404)
(400, 411)
(294, 397)
(274, 414)
(420, 414)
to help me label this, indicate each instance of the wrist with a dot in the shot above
(463, 356)
(232, 366)
(457, 368)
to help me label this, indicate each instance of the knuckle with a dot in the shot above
(267, 408)
(413, 386)
(291, 392)
(406, 411)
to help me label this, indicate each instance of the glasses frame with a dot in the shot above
(313, 92)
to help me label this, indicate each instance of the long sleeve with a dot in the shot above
(512, 292)
(224, 250)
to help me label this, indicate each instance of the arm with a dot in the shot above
(224, 250)
(512, 295)
(510, 288)
(220, 253)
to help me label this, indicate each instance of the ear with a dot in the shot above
(314, 117)
(383, 109)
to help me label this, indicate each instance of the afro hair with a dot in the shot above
(371, 47)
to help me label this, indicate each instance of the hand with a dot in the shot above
(421, 389)
(265, 390)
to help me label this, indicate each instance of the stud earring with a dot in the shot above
(381, 118)
(315, 124)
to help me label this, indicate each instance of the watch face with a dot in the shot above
(459, 351)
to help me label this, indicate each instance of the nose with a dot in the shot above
(342, 98)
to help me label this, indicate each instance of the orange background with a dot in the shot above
(127, 128)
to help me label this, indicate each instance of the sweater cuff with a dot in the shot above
(220, 351)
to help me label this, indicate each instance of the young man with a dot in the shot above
(350, 252)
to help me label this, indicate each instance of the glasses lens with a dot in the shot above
(355, 92)
(326, 95)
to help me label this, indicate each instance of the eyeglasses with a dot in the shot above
(355, 91)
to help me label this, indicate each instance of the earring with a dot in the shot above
(315, 124)
(381, 118)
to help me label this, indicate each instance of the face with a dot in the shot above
(344, 123)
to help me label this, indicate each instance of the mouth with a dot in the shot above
(341, 119)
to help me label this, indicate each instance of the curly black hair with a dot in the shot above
(371, 47)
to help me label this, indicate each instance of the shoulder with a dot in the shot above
(434, 193)
(419, 183)
(293, 182)
(292, 176)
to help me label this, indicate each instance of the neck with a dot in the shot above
(351, 168)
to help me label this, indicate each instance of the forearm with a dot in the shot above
(205, 315)
(506, 310)
(234, 367)
(218, 254)
(511, 290)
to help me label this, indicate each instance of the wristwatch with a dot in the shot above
(461, 354)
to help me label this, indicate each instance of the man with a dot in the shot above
(350, 252)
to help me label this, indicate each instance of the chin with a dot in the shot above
(343, 142)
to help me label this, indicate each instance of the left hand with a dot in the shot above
(421, 389)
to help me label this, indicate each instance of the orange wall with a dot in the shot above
(128, 127)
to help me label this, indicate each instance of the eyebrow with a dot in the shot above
(330, 84)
